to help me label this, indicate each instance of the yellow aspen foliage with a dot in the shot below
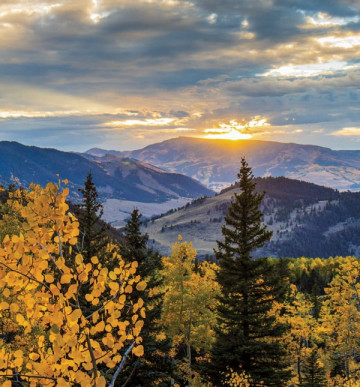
(296, 313)
(234, 379)
(340, 316)
(190, 297)
(65, 337)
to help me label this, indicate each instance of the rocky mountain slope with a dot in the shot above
(116, 177)
(306, 220)
(215, 163)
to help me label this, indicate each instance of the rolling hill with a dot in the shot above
(215, 163)
(306, 220)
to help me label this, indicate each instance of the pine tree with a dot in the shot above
(316, 300)
(247, 336)
(313, 372)
(155, 368)
(93, 237)
(134, 247)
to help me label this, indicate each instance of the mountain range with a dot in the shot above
(117, 178)
(306, 220)
(215, 163)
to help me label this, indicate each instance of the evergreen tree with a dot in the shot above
(313, 372)
(248, 338)
(134, 247)
(155, 367)
(316, 300)
(93, 237)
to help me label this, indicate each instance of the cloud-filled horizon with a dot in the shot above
(125, 74)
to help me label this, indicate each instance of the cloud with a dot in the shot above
(237, 131)
(120, 71)
(308, 70)
(279, 86)
(147, 122)
(355, 131)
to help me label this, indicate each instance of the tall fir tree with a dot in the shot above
(93, 238)
(313, 371)
(155, 367)
(248, 337)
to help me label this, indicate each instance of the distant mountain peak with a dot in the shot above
(215, 163)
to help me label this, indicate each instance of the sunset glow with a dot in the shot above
(235, 130)
(146, 122)
(308, 70)
(124, 74)
(324, 19)
(341, 42)
(349, 132)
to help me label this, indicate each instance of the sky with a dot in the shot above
(122, 74)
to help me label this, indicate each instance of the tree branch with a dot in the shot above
(93, 359)
(60, 244)
(101, 307)
(31, 278)
(105, 303)
(51, 257)
(121, 365)
(131, 373)
(28, 376)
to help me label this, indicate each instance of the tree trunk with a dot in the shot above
(189, 348)
(299, 363)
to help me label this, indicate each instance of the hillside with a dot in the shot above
(117, 178)
(306, 220)
(216, 162)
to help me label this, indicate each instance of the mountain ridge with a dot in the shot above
(119, 177)
(215, 163)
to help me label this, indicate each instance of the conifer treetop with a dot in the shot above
(243, 230)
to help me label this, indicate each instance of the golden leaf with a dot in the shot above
(49, 278)
(141, 286)
(94, 260)
(138, 351)
(66, 278)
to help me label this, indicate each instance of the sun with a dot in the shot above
(235, 130)
(233, 134)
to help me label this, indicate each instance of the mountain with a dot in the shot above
(215, 163)
(138, 181)
(117, 178)
(306, 220)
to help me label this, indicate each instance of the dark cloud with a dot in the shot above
(179, 114)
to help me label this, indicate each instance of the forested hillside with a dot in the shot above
(306, 220)
(80, 305)
(101, 312)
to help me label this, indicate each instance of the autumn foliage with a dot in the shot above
(49, 337)
(67, 319)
